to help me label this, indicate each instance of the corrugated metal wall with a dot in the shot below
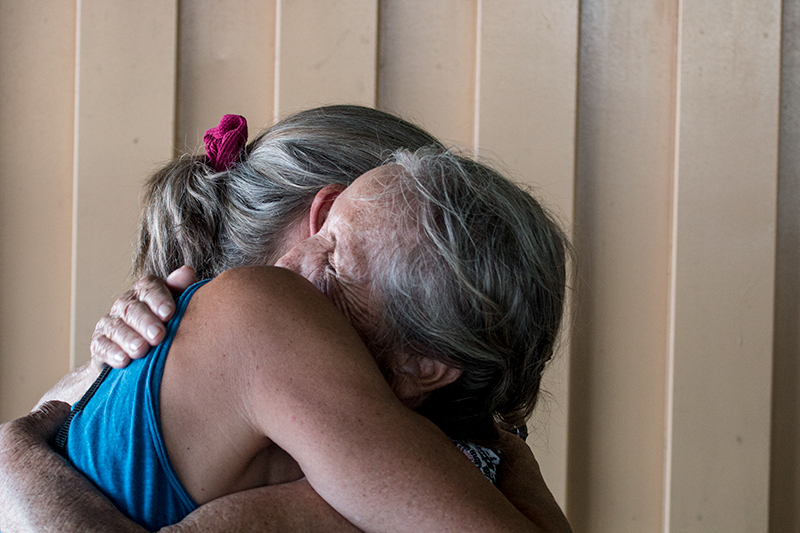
(665, 133)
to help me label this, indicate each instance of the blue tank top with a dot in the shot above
(115, 439)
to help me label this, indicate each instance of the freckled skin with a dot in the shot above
(338, 257)
(318, 407)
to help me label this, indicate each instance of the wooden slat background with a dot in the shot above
(664, 133)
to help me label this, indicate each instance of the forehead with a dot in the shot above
(364, 221)
(375, 181)
(368, 201)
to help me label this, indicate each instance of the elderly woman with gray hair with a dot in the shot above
(452, 276)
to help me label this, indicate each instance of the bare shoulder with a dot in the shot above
(292, 348)
(226, 379)
(265, 357)
(266, 289)
(260, 279)
(260, 303)
(273, 319)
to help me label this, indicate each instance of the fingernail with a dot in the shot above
(152, 332)
(119, 356)
(164, 310)
(136, 344)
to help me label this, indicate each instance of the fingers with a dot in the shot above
(127, 332)
(136, 320)
(108, 340)
(132, 319)
(45, 421)
(156, 295)
(135, 323)
(179, 280)
(145, 308)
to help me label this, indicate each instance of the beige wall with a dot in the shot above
(665, 133)
(36, 183)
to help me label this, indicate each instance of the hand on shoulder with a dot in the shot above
(136, 320)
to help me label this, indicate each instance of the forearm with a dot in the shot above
(424, 485)
(292, 507)
(520, 480)
(72, 386)
(40, 492)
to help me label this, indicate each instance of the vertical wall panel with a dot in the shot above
(37, 53)
(784, 495)
(124, 127)
(326, 54)
(525, 117)
(526, 96)
(427, 65)
(227, 65)
(622, 238)
(724, 257)
(683, 295)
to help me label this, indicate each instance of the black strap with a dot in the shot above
(60, 442)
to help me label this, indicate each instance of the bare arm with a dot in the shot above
(296, 507)
(279, 508)
(319, 395)
(520, 480)
(72, 386)
(40, 492)
(55, 498)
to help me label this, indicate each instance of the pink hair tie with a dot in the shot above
(224, 144)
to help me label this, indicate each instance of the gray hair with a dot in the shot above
(215, 221)
(480, 284)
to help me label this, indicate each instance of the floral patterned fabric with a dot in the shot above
(486, 459)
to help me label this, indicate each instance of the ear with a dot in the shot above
(321, 206)
(418, 376)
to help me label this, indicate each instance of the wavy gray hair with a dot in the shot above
(479, 284)
(215, 221)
